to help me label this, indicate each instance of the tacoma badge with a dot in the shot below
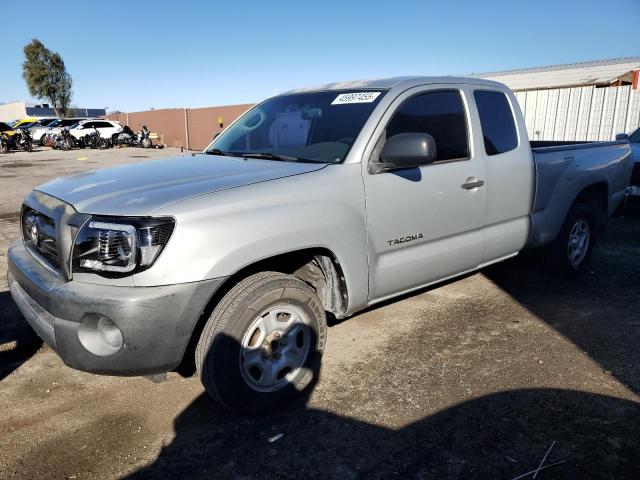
(405, 239)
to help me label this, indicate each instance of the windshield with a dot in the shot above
(318, 126)
(635, 136)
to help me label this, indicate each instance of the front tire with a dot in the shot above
(263, 343)
(570, 252)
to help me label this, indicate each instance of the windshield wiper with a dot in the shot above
(217, 151)
(269, 156)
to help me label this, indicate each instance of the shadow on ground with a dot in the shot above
(497, 436)
(18, 342)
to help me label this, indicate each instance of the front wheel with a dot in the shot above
(571, 250)
(263, 343)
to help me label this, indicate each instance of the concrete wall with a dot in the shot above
(12, 111)
(191, 128)
(580, 113)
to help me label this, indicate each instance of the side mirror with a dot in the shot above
(406, 150)
(622, 136)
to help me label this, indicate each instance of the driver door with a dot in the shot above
(425, 224)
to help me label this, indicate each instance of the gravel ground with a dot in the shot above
(475, 378)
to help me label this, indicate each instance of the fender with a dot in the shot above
(221, 233)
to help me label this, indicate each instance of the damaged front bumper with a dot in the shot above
(106, 329)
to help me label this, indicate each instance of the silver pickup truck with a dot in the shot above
(316, 202)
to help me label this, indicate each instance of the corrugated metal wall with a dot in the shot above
(580, 113)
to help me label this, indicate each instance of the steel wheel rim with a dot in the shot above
(578, 244)
(275, 347)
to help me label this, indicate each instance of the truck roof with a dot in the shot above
(393, 83)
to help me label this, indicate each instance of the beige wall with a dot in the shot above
(12, 111)
(192, 128)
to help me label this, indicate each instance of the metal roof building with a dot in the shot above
(17, 110)
(579, 101)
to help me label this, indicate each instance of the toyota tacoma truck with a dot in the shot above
(314, 203)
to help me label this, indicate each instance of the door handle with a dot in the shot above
(472, 183)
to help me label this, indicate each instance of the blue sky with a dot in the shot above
(135, 55)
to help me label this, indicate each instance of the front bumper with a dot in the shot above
(156, 322)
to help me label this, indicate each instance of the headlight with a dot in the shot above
(119, 246)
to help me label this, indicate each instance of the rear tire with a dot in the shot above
(263, 343)
(570, 252)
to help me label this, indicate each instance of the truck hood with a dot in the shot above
(141, 188)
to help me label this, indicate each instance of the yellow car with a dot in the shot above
(24, 121)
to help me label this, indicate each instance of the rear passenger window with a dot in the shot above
(440, 114)
(496, 120)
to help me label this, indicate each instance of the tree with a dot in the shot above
(46, 76)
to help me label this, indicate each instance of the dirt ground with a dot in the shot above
(475, 378)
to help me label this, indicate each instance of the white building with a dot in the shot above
(17, 110)
(579, 101)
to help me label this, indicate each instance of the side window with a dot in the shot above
(88, 124)
(496, 119)
(103, 125)
(440, 114)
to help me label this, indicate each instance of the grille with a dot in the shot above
(39, 235)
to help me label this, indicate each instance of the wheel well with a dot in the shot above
(596, 196)
(318, 267)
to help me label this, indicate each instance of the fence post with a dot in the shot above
(186, 127)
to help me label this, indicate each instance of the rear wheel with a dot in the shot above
(4, 148)
(262, 344)
(571, 250)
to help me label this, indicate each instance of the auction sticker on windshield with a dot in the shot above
(355, 97)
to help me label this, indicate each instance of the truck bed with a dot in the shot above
(563, 170)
